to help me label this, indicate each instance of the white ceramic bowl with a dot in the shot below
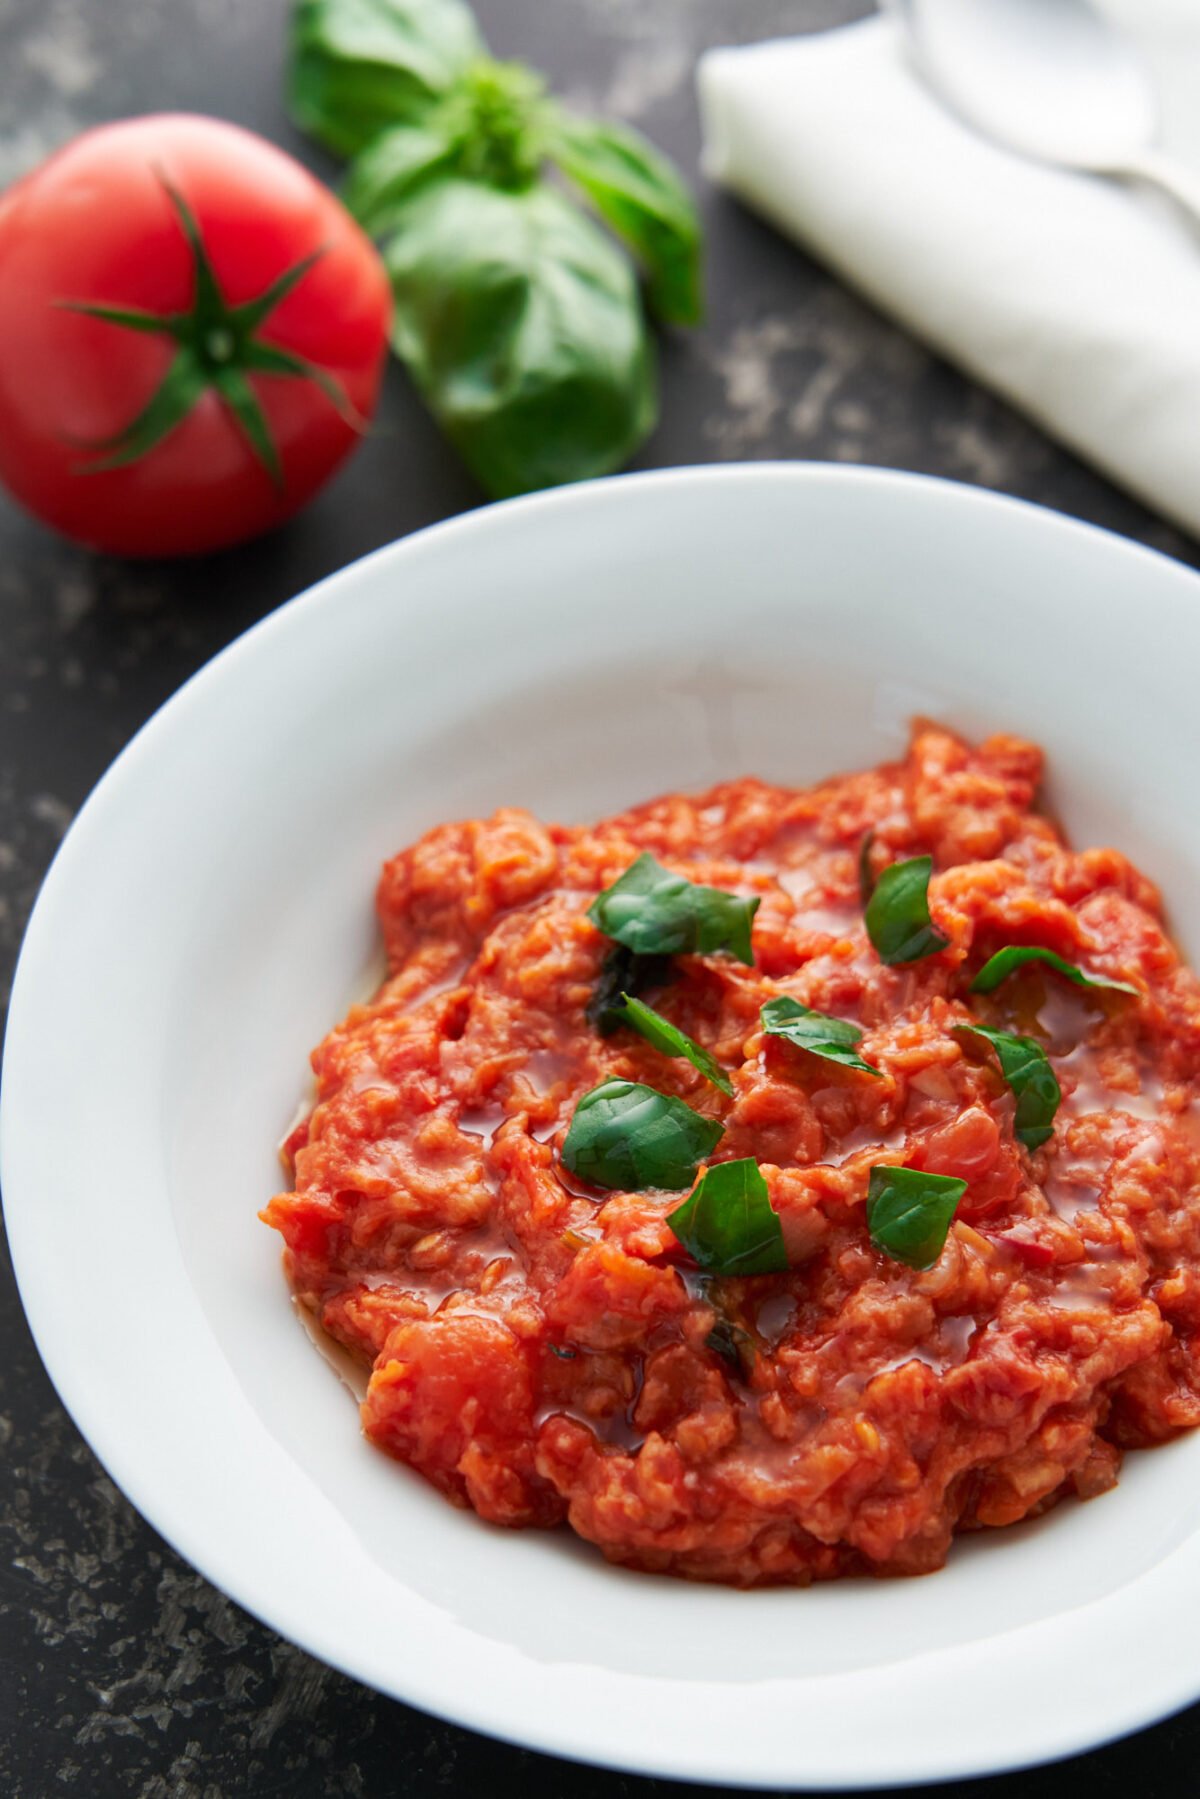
(209, 915)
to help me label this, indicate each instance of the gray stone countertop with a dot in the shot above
(123, 1672)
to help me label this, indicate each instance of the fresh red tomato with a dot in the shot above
(192, 332)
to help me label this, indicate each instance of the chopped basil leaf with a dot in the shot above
(1026, 1067)
(727, 1223)
(832, 1038)
(623, 972)
(734, 1345)
(667, 1037)
(909, 1213)
(656, 913)
(866, 875)
(632, 1138)
(1006, 961)
(897, 914)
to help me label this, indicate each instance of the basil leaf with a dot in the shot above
(639, 195)
(909, 1213)
(622, 974)
(667, 1037)
(727, 1223)
(1026, 1067)
(384, 176)
(629, 1137)
(832, 1038)
(897, 914)
(521, 325)
(1006, 961)
(654, 912)
(360, 66)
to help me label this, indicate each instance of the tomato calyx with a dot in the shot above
(217, 347)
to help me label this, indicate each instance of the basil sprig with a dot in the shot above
(909, 1213)
(519, 318)
(727, 1223)
(668, 1038)
(656, 913)
(1006, 961)
(628, 1137)
(1026, 1067)
(832, 1038)
(897, 913)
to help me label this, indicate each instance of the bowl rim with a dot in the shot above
(130, 1469)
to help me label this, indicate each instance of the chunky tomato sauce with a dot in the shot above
(546, 1352)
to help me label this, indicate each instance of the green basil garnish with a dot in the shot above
(1026, 1067)
(832, 1038)
(897, 914)
(623, 973)
(909, 1213)
(1006, 961)
(727, 1223)
(668, 1038)
(631, 1138)
(518, 316)
(656, 913)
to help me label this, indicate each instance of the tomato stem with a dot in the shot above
(219, 345)
(218, 348)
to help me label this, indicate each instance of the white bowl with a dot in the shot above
(209, 915)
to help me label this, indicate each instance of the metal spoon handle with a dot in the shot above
(1174, 178)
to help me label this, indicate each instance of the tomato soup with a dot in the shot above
(949, 1282)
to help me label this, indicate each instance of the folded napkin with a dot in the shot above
(1078, 298)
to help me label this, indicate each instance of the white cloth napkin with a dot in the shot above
(1078, 298)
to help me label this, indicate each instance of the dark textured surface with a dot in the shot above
(122, 1671)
